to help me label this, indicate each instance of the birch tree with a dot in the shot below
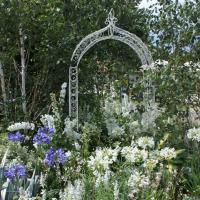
(3, 87)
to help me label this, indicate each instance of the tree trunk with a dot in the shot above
(23, 69)
(3, 88)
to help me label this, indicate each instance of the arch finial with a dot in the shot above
(111, 19)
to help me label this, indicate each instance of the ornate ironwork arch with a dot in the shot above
(109, 32)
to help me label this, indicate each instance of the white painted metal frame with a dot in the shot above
(109, 32)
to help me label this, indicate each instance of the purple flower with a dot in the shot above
(43, 136)
(52, 156)
(15, 137)
(60, 154)
(14, 170)
(49, 157)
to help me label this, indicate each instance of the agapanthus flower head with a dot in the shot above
(15, 137)
(194, 134)
(43, 136)
(52, 156)
(15, 170)
(168, 153)
(145, 142)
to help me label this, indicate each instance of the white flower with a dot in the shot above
(63, 92)
(73, 191)
(48, 120)
(150, 164)
(103, 159)
(102, 178)
(150, 115)
(145, 142)
(133, 154)
(114, 130)
(168, 153)
(116, 191)
(137, 181)
(69, 130)
(133, 125)
(21, 125)
(194, 134)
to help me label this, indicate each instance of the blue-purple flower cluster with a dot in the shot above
(15, 170)
(15, 136)
(43, 136)
(52, 156)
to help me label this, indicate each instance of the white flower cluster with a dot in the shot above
(150, 163)
(103, 159)
(73, 191)
(133, 126)
(21, 125)
(116, 190)
(25, 195)
(150, 115)
(112, 106)
(194, 134)
(48, 120)
(63, 92)
(145, 142)
(168, 153)
(127, 106)
(154, 65)
(134, 154)
(102, 178)
(137, 181)
(114, 130)
(69, 130)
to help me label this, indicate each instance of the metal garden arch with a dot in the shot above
(109, 32)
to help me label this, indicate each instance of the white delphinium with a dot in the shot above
(44, 194)
(69, 129)
(138, 181)
(133, 154)
(73, 191)
(168, 153)
(48, 120)
(103, 159)
(145, 142)
(194, 134)
(116, 190)
(114, 130)
(102, 178)
(127, 106)
(43, 180)
(24, 195)
(63, 92)
(112, 106)
(21, 125)
(117, 131)
(150, 115)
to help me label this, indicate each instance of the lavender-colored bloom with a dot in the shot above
(53, 156)
(49, 157)
(15, 170)
(15, 137)
(60, 154)
(43, 136)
